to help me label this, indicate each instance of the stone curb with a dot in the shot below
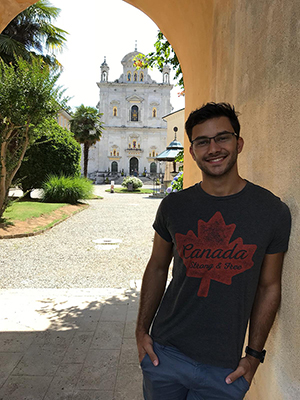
(22, 235)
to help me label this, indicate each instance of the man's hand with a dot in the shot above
(246, 368)
(145, 346)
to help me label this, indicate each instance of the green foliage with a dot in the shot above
(179, 158)
(28, 95)
(86, 124)
(55, 152)
(32, 34)
(163, 54)
(176, 184)
(136, 182)
(66, 189)
(87, 128)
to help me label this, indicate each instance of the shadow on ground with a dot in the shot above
(69, 344)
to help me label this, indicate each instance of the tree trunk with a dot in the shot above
(86, 148)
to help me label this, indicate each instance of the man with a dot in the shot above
(228, 237)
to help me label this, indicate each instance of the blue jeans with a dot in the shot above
(178, 377)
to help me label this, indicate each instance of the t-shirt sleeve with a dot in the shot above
(161, 221)
(282, 231)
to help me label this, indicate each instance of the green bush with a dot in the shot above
(66, 189)
(136, 182)
(55, 152)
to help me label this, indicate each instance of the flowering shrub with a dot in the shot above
(176, 184)
(136, 182)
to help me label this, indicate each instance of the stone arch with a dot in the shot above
(134, 166)
(114, 167)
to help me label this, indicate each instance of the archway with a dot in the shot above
(114, 167)
(153, 168)
(134, 166)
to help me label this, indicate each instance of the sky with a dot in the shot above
(99, 28)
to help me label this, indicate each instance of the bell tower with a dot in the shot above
(166, 74)
(104, 71)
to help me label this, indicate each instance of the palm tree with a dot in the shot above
(87, 129)
(31, 33)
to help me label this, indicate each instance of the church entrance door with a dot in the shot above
(134, 166)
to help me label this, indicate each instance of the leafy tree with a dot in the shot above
(163, 54)
(31, 33)
(87, 129)
(55, 152)
(27, 96)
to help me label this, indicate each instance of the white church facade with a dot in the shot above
(135, 133)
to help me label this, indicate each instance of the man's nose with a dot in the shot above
(213, 147)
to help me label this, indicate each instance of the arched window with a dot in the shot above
(115, 111)
(166, 78)
(142, 77)
(135, 76)
(104, 76)
(128, 76)
(153, 168)
(115, 152)
(134, 144)
(134, 113)
(153, 153)
(154, 112)
(114, 166)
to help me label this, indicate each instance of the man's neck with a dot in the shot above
(222, 185)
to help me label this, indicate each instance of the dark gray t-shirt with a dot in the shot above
(218, 244)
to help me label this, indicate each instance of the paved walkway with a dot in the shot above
(62, 343)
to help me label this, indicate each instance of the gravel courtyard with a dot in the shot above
(67, 257)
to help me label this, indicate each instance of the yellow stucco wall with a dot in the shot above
(256, 66)
(247, 53)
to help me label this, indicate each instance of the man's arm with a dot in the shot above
(153, 287)
(263, 313)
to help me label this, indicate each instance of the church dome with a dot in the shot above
(129, 57)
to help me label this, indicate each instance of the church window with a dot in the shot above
(128, 76)
(154, 112)
(134, 113)
(135, 76)
(139, 146)
(129, 146)
(142, 77)
(134, 144)
(153, 153)
(118, 154)
(166, 78)
(115, 111)
(115, 152)
(104, 76)
(149, 154)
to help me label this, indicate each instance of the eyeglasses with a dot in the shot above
(220, 138)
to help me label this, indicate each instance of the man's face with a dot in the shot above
(216, 159)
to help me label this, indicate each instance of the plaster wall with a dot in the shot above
(255, 65)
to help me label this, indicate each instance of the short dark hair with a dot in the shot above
(209, 111)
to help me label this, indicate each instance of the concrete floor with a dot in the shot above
(75, 344)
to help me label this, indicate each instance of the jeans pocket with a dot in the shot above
(245, 383)
(143, 360)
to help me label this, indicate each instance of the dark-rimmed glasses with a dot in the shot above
(220, 138)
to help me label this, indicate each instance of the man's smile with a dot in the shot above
(214, 160)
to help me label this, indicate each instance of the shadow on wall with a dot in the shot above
(87, 352)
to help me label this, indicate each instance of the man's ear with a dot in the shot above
(240, 144)
(192, 152)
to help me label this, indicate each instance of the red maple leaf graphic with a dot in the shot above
(211, 255)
